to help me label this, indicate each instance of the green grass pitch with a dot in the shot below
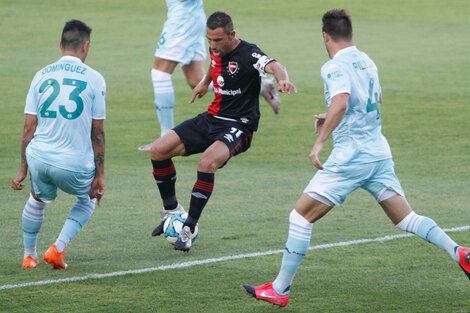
(422, 51)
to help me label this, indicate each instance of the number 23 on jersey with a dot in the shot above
(73, 96)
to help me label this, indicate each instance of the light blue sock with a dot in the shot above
(164, 99)
(77, 218)
(427, 229)
(33, 216)
(296, 247)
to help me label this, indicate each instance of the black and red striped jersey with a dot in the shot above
(237, 82)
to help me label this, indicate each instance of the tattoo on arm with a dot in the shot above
(99, 159)
(24, 145)
(97, 136)
(98, 142)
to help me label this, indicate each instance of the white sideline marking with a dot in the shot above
(215, 260)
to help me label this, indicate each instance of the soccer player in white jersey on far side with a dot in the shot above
(63, 143)
(183, 41)
(361, 158)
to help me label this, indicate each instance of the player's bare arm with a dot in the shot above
(98, 186)
(201, 89)
(319, 121)
(282, 77)
(336, 111)
(30, 124)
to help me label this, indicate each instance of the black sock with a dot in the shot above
(201, 193)
(165, 176)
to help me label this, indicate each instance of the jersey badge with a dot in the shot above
(232, 67)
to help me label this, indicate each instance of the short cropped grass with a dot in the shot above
(421, 49)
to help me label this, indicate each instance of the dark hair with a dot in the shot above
(220, 19)
(74, 34)
(337, 24)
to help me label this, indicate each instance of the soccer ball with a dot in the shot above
(173, 225)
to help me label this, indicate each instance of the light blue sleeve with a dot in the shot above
(99, 105)
(335, 78)
(31, 106)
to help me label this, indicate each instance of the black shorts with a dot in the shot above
(198, 133)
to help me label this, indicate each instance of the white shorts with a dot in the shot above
(183, 42)
(335, 184)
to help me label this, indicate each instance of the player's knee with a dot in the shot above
(207, 165)
(158, 150)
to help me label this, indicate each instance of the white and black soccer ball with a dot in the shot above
(173, 225)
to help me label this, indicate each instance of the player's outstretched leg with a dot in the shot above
(266, 293)
(164, 214)
(427, 229)
(269, 92)
(464, 260)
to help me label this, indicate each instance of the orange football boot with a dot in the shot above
(29, 262)
(55, 258)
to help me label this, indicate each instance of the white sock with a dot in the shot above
(60, 245)
(164, 99)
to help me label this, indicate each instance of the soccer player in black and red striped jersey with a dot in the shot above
(225, 130)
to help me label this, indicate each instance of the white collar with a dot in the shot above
(344, 50)
(70, 58)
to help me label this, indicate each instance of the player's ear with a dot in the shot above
(232, 34)
(86, 46)
(60, 46)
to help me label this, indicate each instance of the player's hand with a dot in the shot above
(285, 85)
(200, 90)
(97, 189)
(319, 121)
(16, 181)
(314, 155)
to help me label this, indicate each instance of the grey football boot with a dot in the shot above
(163, 216)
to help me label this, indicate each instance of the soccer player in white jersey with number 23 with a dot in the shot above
(63, 143)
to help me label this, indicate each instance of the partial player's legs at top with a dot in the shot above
(164, 92)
